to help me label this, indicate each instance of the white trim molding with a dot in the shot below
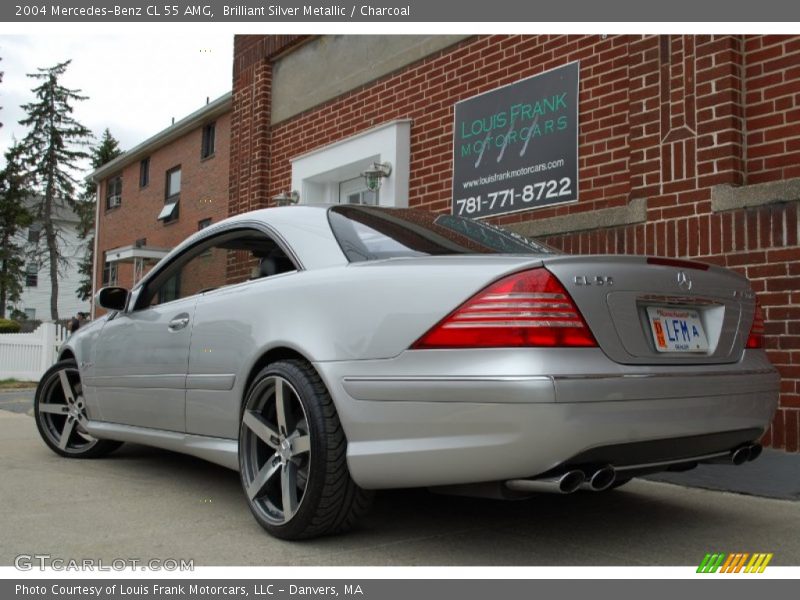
(316, 175)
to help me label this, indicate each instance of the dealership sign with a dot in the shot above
(516, 147)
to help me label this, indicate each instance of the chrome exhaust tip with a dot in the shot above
(566, 483)
(740, 455)
(571, 481)
(602, 479)
(754, 451)
(737, 457)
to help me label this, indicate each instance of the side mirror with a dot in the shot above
(113, 298)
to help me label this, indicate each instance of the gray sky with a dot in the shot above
(135, 83)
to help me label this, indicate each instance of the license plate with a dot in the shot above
(677, 329)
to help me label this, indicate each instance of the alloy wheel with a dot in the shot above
(275, 450)
(61, 411)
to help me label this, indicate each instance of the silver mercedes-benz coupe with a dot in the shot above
(325, 352)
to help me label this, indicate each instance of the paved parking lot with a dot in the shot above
(143, 503)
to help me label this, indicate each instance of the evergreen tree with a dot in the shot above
(13, 217)
(53, 149)
(105, 151)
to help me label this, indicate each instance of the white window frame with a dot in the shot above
(356, 186)
(316, 175)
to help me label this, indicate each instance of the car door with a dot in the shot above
(142, 358)
(142, 355)
(230, 322)
(141, 362)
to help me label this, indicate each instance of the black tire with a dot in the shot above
(303, 451)
(57, 412)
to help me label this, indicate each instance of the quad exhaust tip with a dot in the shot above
(602, 479)
(568, 482)
(754, 451)
(745, 454)
(738, 456)
(571, 481)
(565, 483)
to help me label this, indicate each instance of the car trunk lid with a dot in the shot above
(622, 298)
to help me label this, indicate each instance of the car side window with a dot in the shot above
(225, 259)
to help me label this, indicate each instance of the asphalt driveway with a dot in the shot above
(144, 503)
(18, 401)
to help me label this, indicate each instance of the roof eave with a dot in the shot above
(210, 111)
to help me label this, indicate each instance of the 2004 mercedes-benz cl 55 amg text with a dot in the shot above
(324, 352)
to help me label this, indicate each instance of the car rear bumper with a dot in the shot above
(434, 418)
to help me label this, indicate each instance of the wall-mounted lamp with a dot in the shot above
(286, 198)
(375, 174)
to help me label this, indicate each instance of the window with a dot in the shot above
(34, 232)
(114, 191)
(204, 267)
(172, 193)
(109, 273)
(173, 183)
(355, 191)
(202, 224)
(169, 213)
(366, 233)
(144, 172)
(30, 314)
(171, 290)
(32, 275)
(209, 132)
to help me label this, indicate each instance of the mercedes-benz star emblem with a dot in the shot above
(684, 281)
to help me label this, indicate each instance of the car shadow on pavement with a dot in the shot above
(640, 523)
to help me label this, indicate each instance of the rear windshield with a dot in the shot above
(369, 233)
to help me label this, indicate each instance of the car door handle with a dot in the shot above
(178, 322)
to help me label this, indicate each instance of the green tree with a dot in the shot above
(13, 217)
(53, 149)
(105, 151)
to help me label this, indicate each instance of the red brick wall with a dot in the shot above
(204, 194)
(662, 118)
(250, 126)
(773, 107)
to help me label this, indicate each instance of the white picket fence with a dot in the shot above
(26, 356)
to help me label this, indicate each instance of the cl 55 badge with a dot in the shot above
(596, 280)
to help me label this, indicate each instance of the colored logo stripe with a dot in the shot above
(734, 563)
(711, 563)
(758, 563)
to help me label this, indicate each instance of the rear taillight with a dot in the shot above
(756, 337)
(530, 308)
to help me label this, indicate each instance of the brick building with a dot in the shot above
(161, 191)
(688, 146)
